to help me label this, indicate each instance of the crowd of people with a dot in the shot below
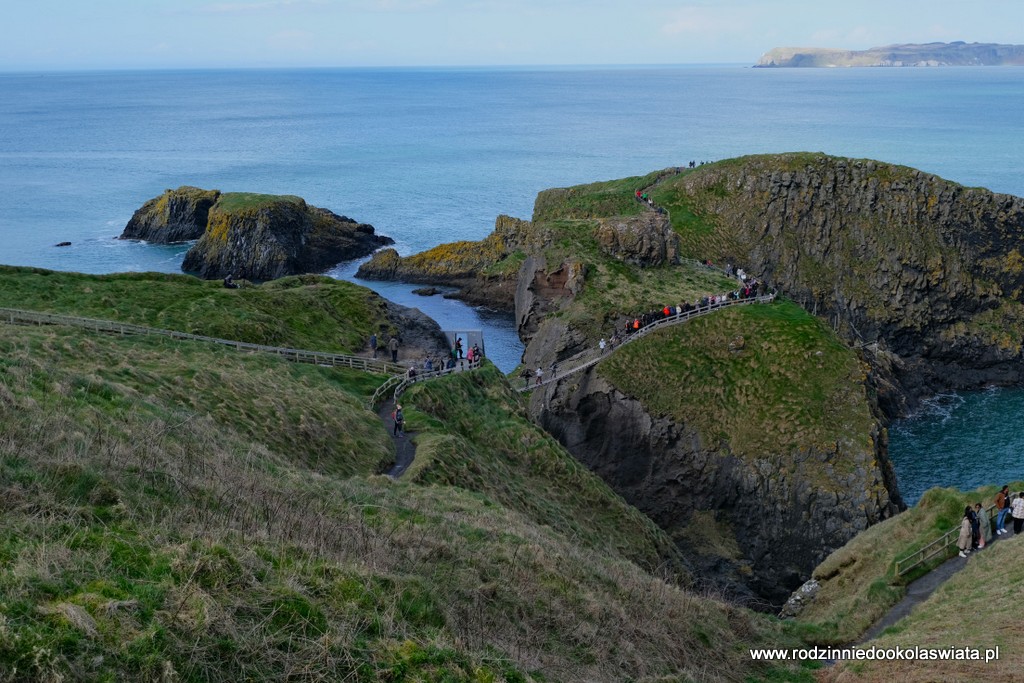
(976, 525)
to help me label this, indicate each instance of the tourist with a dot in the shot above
(399, 418)
(975, 527)
(477, 353)
(1017, 512)
(393, 347)
(229, 282)
(602, 344)
(1003, 508)
(984, 526)
(458, 347)
(469, 356)
(964, 541)
(373, 344)
(539, 375)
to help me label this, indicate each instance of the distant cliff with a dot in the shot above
(251, 236)
(957, 53)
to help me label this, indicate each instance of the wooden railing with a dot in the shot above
(19, 317)
(943, 545)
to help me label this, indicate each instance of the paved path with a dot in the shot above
(921, 589)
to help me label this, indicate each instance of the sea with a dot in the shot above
(431, 155)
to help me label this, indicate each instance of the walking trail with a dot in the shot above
(921, 589)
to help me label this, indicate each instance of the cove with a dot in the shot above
(962, 440)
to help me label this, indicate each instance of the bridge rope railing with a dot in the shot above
(20, 317)
(591, 357)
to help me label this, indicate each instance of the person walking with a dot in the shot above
(373, 344)
(602, 344)
(963, 542)
(393, 347)
(539, 375)
(1003, 508)
(399, 418)
(1017, 512)
(975, 526)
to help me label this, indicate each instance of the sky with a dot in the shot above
(44, 35)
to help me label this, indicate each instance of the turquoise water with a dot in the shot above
(431, 156)
(960, 440)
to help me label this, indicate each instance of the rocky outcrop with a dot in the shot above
(251, 236)
(175, 216)
(647, 240)
(485, 272)
(923, 274)
(773, 514)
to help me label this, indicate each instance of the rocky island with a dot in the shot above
(957, 53)
(251, 236)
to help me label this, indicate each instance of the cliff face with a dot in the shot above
(485, 272)
(250, 236)
(754, 527)
(926, 275)
(175, 216)
(957, 53)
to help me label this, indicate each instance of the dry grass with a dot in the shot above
(858, 581)
(979, 607)
(156, 527)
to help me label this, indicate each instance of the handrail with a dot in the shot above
(15, 316)
(588, 356)
(944, 542)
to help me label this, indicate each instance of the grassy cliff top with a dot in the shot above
(176, 510)
(767, 379)
(306, 311)
(233, 202)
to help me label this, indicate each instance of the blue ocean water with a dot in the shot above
(434, 155)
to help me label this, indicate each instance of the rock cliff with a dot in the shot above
(924, 274)
(484, 272)
(175, 216)
(251, 236)
(957, 53)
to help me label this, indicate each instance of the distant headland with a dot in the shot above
(956, 53)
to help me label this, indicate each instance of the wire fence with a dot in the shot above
(19, 317)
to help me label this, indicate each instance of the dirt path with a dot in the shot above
(405, 449)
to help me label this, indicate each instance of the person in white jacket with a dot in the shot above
(1017, 512)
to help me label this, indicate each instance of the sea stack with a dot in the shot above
(251, 236)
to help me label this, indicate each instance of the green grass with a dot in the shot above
(495, 450)
(173, 511)
(230, 202)
(306, 311)
(763, 378)
(978, 607)
(595, 200)
(858, 581)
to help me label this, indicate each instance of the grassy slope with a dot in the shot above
(174, 509)
(791, 386)
(614, 289)
(979, 607)
(493, 449)
(306, 311)
(858, 582)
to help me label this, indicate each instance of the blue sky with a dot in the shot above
(115, 34)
